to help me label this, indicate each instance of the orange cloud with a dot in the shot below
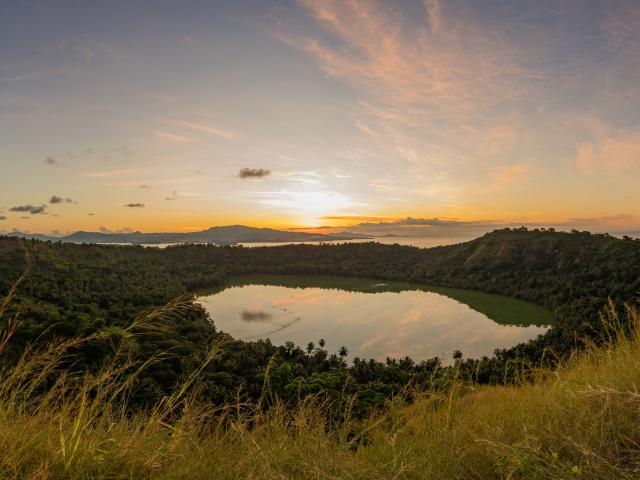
(358, 218)
(509, 172)
(218, 132)
(172, 137)
(115, 173)
(609, 154)
(445, 64)
(441, 90)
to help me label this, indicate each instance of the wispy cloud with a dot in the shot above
(613, 152)
(433, 222)
(506, 175)
(173, 137)
(623, 218)
(134, 205)
(200, 127)
(114, 173)
(440, 72)
(357, 218)
(452, 89)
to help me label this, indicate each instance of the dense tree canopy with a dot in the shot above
(73, 290)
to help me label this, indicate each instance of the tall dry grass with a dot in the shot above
(579, 421)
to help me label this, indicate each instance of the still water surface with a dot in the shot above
(421, 242)
(372, 318)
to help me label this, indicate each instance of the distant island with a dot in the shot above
(225, 235)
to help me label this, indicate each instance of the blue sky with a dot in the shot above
(356, 111)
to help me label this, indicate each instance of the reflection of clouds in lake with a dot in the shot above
(309, 296)
(259, 316)
(416, 323)
(412, 316)
(341, 297)
(371, 343)
(266, 334)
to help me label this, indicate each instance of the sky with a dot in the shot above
(387, 116)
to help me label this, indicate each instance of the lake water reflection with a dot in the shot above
(373, 319)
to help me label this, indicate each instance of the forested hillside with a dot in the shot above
(72, 290)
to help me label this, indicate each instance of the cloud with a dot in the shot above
(2, 217)
(173, 196)
(199, 127)
(433, 222)
(91, 214)
(356, 218)
(245, 173)
(455, 89)
(510, 171)
(424, 227)
(105, 229)
(604, 219)
(32, 209)
(173, 138)
(610, 152)
(621, 28)
(51, 160)
(144, 186)
(439, 71)
(467, 229)
(114, 173)
(320, 228)
(504, 176)
(134, 205)
(56, 199)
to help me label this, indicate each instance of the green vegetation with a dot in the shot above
(94, 291)
(501, 309)
(577, 421)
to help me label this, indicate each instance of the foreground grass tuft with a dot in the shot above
(580, 421)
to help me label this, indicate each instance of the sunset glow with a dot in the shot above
(423, 117)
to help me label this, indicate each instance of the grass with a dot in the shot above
(577, 422)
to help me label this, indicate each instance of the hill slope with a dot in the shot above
(83, 289)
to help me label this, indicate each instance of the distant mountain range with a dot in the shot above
(226, 235)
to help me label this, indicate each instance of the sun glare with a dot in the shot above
(309, 206)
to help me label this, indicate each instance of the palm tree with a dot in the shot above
(457, 355)
(343, 351)
(321, 342)
(289, 345)
(310, 347)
